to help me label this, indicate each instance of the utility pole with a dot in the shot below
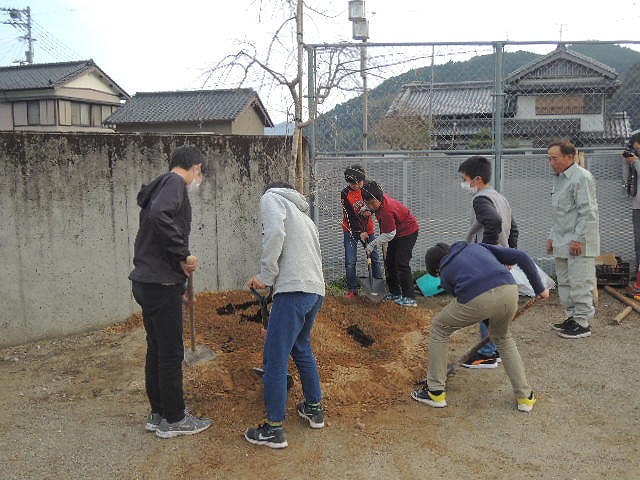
(21, 19)
(360, 28)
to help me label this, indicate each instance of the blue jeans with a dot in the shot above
(490, 348)
(289, 334)
(351, 257)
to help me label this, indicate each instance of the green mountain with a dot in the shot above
(341, 128)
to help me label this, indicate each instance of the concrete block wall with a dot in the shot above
(69, 219)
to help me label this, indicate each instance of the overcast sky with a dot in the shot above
(159, 45)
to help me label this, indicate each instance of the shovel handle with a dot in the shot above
(192, 310)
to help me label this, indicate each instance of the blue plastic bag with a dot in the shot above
(429, 285)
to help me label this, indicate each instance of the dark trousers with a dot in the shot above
(162, 316)
(399, 251)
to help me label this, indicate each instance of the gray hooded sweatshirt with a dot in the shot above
(291, 259)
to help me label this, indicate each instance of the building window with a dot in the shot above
(80, 114)
(64, 109)
(47, 112)
(20, 114)
(33, 112)
(568, 104)
(107, 110)
(593, 104)
(96, 116)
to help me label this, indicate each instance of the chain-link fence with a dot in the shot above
(492, 96)
(430, 187)
(430, 106)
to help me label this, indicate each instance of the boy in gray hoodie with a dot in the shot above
(291, 263)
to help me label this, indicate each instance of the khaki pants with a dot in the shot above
(498, 305)
(576, 286)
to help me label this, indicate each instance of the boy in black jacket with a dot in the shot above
(158, 282)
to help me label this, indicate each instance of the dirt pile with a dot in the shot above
(353, 376)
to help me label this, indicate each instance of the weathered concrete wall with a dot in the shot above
(69, 219)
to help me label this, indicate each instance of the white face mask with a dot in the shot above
(195, 183)
(193, 186)
(466, 187)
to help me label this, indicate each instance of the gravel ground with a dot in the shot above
(74, 408)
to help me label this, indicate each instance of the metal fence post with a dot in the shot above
(498, 114)
(405, 182)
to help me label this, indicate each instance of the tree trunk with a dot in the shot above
(296, 147)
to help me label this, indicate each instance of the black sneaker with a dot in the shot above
(437, 399)
(479, 360)
(575, 330)
(267, 435)
(558, 327)
(313, 414)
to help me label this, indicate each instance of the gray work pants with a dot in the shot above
(498, 305)
(576, 281)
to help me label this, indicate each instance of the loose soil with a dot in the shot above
(75, 407)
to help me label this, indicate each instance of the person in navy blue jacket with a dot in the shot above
(477, 276)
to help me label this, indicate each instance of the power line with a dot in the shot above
(54, 42)
(51, 46)
(21, 19)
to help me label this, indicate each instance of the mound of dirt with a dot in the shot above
(353, 375)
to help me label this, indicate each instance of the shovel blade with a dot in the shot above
(201, 353)
(374, 289)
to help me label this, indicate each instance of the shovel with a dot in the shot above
(197, 353)
(374, 288)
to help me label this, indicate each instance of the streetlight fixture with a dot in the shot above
(360, 31)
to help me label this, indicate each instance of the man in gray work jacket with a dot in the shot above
(574, 239)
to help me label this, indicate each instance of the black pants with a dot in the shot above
(162, 314)
(399, 251)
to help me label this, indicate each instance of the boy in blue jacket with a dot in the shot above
(476, 275)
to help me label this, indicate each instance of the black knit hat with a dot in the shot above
(434, 256)
(354, 174)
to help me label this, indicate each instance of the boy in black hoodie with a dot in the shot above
(158, 283)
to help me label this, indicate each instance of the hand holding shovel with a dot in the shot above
(194, 355)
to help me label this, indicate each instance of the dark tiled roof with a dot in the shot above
(47, 75)
(188, 106)
(422, 99)
(616, 127)
(559, 55)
